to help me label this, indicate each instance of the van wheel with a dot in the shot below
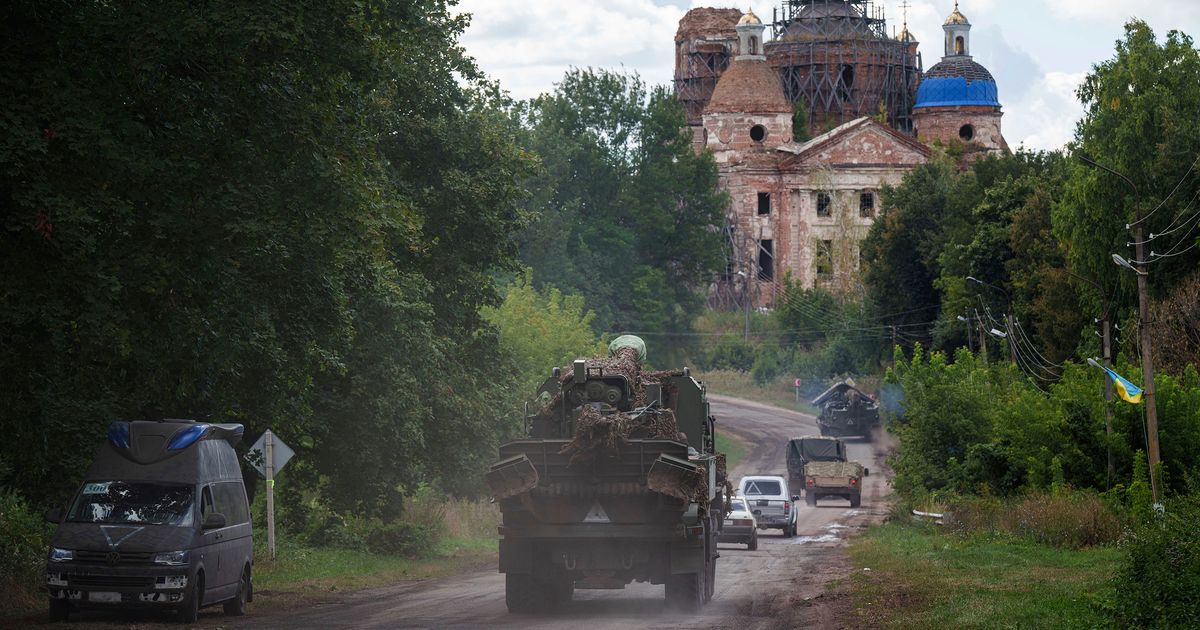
(855, 500)
(753, 544)
(60, 610)
(237, 606)
(189, 610)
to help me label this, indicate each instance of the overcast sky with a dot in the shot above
(1038, 50)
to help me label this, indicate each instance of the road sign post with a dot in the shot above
(269, 465)
(797, 390)
(272, 455)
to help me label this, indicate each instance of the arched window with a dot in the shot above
(966, 132)
(753, 45)
(959, 45)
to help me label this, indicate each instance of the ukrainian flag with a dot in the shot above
(1127, 391)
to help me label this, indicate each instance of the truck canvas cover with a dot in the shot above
(834, 469)
(816, 448)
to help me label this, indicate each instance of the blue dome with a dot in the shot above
(957, 81)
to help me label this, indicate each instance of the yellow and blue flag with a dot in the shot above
(1127, 391)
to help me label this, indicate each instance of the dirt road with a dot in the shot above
(776, 586)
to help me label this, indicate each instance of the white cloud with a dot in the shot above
(1171, 12)
(1046, 117)
(528, 45)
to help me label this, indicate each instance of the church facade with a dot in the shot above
(800, 209)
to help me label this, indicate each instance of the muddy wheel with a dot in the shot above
(753, 544)
(710, 580)
(810, 499)
(685, 592)
(856, 500)
(237, 606)
(521, 593)
(60, 610)
(189, 610)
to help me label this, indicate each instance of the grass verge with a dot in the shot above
(922, 578)
(778, 393)
(300, 572)
(734, 449)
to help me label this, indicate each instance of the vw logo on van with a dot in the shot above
(113, 557)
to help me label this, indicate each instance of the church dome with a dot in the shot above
(957, 81)
(956, 17)
(749, 18)
(748, 86)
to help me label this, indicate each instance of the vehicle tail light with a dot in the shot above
(742, 522)
(810, 481)
(786, 506)
(853, 481)
(695, 530)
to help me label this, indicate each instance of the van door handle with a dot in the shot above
(219, 536)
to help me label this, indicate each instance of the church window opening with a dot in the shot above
(757, 133)
(846, 84)
(766, 260)
(966, 132)
(824, 205)
(753, 45)
(959, 47)
(825, 259)
(866, 205)
(764, 203)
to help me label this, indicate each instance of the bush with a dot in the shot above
(1070, 520)
(401, 539)
(24, 539)
(1158, 583)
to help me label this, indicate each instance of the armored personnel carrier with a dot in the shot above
(847, 410)
(616, 481)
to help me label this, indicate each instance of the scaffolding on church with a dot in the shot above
(704, 45)
(836, 57)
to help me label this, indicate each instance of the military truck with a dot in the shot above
(846, 410)
(818, 465)
(617, 480)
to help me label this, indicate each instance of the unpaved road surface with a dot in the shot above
(779, 586)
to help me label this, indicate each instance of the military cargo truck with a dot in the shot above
(818, 465)
(846, 410)
(617, 480)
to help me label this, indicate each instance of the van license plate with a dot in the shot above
(104, 597)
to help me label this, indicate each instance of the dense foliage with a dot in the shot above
(626, 211)
(254, 213)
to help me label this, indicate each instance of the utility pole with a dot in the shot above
(1012, 337)
(982, 338)
(269, 465)
(1143, 290)
(1105, 325)
(1147, 356)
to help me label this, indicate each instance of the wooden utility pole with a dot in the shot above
(1139, 239)
(269, 467)
(1105, 325)
(982, 338)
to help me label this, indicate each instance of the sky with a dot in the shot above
(1038, 50)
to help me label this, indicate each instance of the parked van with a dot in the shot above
(161, 520)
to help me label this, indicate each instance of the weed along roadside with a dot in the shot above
(918, 576)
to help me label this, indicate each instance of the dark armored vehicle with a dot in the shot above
(617, 481)
(161, 520)
(846, 410)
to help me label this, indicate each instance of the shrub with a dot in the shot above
(1071, 520)
(401, 539)
(1158, 582)
(24, 539)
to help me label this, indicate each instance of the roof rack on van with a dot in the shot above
(151, 440)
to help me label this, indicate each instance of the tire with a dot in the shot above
(60, 610)
(563, 588)
(189, 610)
(856, 500)
(236, 607)
(521, 593)
(810, 499)
(710, 579)
(685, 592)
(753, 544)
(789, 530)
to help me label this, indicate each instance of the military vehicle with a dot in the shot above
(618, 480)
(818, 465)
(846, 410)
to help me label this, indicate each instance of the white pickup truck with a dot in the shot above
(768, 499)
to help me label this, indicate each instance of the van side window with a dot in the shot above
(231, 501)
(206, 503)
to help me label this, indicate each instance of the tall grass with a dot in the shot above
(1068, 520)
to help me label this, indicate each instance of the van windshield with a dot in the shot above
(133, 502)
